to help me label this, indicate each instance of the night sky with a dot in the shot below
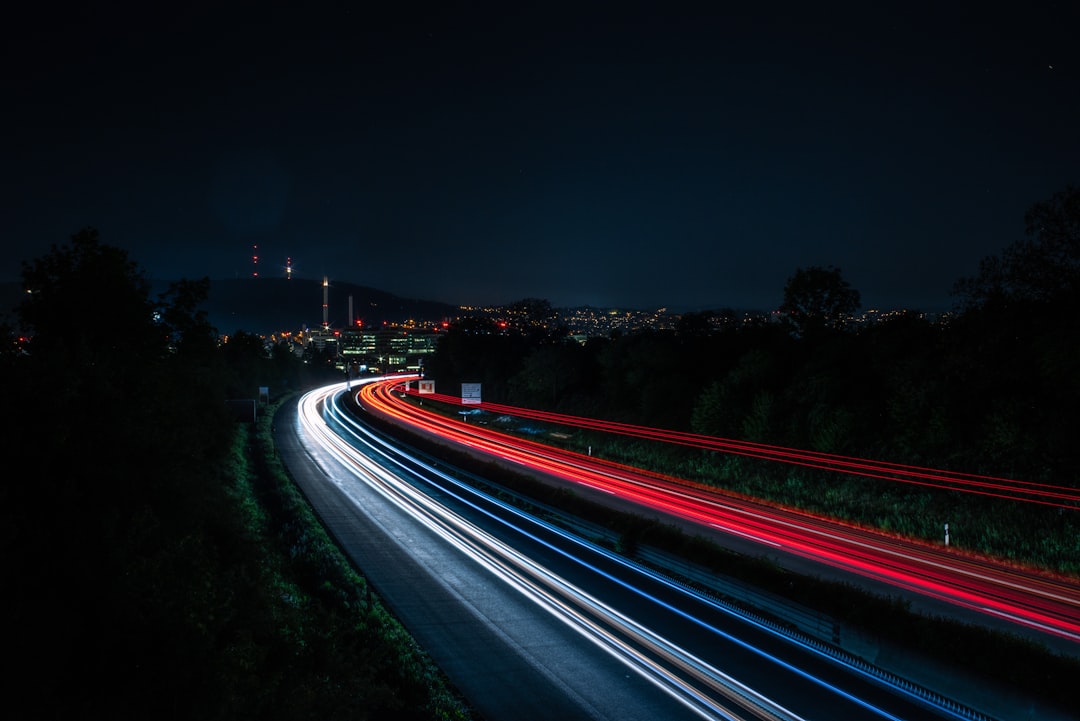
(623, 154)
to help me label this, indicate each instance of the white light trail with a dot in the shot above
(695, 683)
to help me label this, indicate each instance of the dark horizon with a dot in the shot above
(639, 157)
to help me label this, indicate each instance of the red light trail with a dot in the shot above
(1025, 491)
(1025, 596)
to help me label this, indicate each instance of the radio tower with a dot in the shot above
(255, 260)
(288, 268)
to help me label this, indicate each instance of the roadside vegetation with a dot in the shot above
(159, 564)
(991, 388)
(162, 566)
(1006, 660)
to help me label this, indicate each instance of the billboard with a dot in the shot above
(470, 393)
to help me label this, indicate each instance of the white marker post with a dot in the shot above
(946, 534)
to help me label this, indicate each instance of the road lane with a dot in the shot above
(815, 683)
(1048, 606)
(509, 658)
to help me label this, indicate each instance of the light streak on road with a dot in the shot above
(1036, 600)
(698, 684)
(1006, 488)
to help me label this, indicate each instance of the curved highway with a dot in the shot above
(1014, 595)
(678, 648)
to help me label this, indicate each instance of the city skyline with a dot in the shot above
(611, 156)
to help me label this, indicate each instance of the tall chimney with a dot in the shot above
(325, 307)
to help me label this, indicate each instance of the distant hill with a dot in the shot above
(268, 305)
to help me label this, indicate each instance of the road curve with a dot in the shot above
(1049, 606)
(531, 608)
(492, 643)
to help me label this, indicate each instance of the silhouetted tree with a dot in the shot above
(550, 372)
(536, 319)
(744, 397)
(694, 324)
(118, 437)
(533, 311)
(247, 359)
(816, 298)
(1041, 267)
(477, 350)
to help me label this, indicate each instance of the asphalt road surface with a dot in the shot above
(509, 658)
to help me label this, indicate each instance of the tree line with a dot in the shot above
(155, 571)
(990, 388)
